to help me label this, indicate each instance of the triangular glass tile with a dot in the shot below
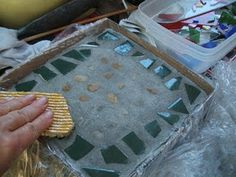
(63, 66)
(153, 128)
(137, 54)
(135, 143)
(92, 172)
(79, 148)
(162, 71)
(179, 106)
(26, 86)
(124, 49)
(170, 118)
(113, 155)
(85, 52)
(147, 63)
(93, 43)
(173, 84)
(108, 36)
(74, 54)
(192, 92)
(45, 73)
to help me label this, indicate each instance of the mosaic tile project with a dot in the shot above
(124, 100)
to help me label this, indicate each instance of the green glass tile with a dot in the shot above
(92, 172)
(192, 92)
(194, 35)
(45, 73)
(63, 66)
(227, 18)
(26, 86)
(173, 84)
(93, 43)
(79, 148)
(135, 144)
(137, 54)
(85, 52)
(153, 128)
(124, 49)
(108, 36)
(113, 155)
(170, 118)
(178, 106)
(147, 63)
(162, 71)
(74, 54)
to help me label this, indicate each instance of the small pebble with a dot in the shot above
(111, 97)
(93, 87)
(81, 78)
(121, 86)
(104, 60)
(84, 98)
(116, 66)
(108, 75)
(66, 87)
(152, 91)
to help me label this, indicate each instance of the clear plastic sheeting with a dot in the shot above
(210, 151)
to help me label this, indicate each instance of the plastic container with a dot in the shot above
(195, 57)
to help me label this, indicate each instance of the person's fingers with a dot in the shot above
(18, 118)
(5, 100)
(16, 104)
(28, 133)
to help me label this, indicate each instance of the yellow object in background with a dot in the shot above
(17, 13)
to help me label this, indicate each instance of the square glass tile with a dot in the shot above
(108, 36)
(134, 143)
(93, 172)
(45, 73)
(26, 86)
(153, 128)
(192, 92)
(124, 49)
(75, 55)
(174, 83)
(114, 155)
(79, 148)
(162, 71)
(85, 52)
(63, 66)
(147, 63)
(137, 54)
(170, 118)
(179, 106)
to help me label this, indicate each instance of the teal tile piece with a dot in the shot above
(153, 128)
(170, 118)
(147, 63)
(192, 92)
(124, 48)
(93, 172)
(179, 106)
(137, 54)
(85, 52)
(26, 86)
(162, 71)
(79, 149)
(93, 43)
(174, 83)
(135, 143)
(108, 36)
(113, 155)
(63, 66)
(75, 55)
(45, 73)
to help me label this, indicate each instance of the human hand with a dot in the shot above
(22, 120)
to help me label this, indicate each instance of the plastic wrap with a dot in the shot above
(211, 149)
